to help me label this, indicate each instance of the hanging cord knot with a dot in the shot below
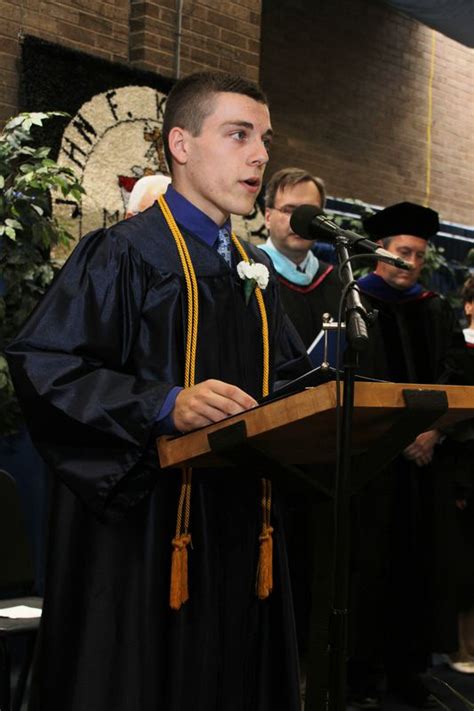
(181, 542)
(266, 536)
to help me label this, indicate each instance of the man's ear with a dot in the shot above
(267, 218)
(178, 145)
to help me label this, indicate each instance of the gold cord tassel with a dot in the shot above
(265, 562)
(179, 592)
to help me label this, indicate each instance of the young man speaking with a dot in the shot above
(146, 330)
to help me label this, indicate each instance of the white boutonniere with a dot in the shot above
(254, 274)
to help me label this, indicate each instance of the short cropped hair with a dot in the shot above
(190, 101)
(467, 292)
(291, 177)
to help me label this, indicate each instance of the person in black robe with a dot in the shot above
(99, 368)
(415, 339)
(309, 287)
(454, 524)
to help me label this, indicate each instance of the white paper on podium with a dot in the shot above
(20, 612)
(316, 349)
(316, 341)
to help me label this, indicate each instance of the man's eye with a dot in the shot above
(239, 135)
(267, 142)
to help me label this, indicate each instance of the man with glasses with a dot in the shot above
(309, 288)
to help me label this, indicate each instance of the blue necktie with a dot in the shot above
(223, 245)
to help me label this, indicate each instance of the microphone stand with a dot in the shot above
(356, 319)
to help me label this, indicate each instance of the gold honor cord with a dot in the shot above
(192, 294)
(179, 592)
(265, 559)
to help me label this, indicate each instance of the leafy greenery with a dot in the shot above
(470, 258)
(28, 232)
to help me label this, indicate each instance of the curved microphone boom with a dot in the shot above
(310, 222)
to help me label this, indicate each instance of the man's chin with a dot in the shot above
(298, 257)
(403, 284)
(243, 207)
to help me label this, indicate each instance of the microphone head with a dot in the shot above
(301, 221)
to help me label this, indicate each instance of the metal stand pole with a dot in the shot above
(357, 339)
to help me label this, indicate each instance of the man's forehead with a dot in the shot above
(229, 107)
(306, 189)
(409, 241)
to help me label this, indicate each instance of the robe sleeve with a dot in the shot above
(72, 364)
(292, 359)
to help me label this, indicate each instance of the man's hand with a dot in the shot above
(208, 402)
(421, 450)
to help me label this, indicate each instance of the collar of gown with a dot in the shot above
(373, 285)
(192, 218)
(287, 269)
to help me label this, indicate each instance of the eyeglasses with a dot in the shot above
(287, 210)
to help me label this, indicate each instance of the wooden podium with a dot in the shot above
(293, 441)
(301, 429)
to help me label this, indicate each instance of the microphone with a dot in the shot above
(310, 222)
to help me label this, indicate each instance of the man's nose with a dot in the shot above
(260, 155)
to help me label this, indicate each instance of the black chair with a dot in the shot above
(16, 587)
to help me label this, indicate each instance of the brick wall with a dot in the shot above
(215, 34)
(350, 102)
(98, 27)
(347, 81)
(222, 35)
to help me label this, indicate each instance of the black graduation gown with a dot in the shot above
(418, 341)
(92, 367)
(305, 305)
(308, 528)
(453, 530)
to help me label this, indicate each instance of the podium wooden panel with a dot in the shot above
(300, 429)
(293, 441)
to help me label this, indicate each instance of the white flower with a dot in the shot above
(254, 272)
